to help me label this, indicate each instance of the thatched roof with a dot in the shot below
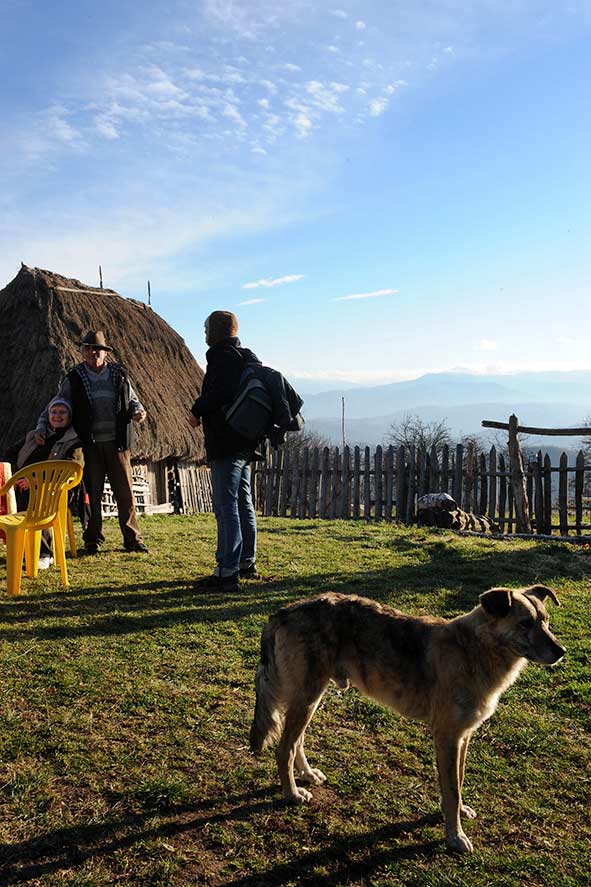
(43, 317)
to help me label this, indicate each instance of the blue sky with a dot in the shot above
(376, 189)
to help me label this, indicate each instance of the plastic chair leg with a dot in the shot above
(32, 550)
(71, 536)
(59, 551)
(15, 544)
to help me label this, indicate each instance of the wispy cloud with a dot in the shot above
(487, 345)
(252, 302)
(373, 295)
(271, 282)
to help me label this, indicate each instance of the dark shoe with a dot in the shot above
(140, 547)
(250, 573)
(219, 583)
(89, 551)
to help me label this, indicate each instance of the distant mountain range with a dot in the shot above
(549, 400)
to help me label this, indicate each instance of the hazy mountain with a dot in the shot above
(462, 400)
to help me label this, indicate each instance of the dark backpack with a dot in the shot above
(266, 405)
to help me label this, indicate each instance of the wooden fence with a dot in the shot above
(386, 482)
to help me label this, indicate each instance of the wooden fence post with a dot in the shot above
(378, 481)
(304, 485)
(389, 475)
(345, 483)
(400, 485)
(469, 476)
(324, 483)
(314, 483)
(334, 492)
(492, 486)
(518, 478)
(356, 483)
(295, 484)
(483, 485)
(579, 483)
(367, 486)
(563, 495)
(457, 487)
(539, 495)
(502, 492)
(547, 495)
(412, 486)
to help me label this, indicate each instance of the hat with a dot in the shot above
(96, 339)
(62, 400)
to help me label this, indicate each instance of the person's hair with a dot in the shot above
(221, 325)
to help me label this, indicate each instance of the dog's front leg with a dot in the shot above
(466, 811)
(447, 749)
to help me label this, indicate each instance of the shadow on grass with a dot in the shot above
(147, 606)
(71, 847)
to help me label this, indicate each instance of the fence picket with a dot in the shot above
(356, 482)
(563, 495)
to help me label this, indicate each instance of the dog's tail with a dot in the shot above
(267, 723)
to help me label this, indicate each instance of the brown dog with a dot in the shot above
(447, 673)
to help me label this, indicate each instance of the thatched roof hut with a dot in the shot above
(43, 317)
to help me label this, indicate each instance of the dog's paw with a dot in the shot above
(468, 812)
(459, 843)
(313, 776)
(300, 796)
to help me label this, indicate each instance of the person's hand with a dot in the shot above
(194, 422)
(22, 484)
(140, 416)
(39, 439)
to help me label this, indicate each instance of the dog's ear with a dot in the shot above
(541, 592)
(497, 601)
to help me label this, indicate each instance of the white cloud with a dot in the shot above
(378, 106)
(360, 25)
(340, 13)
(271, 282)
(292, 68)
(232, 112)
(252, 302)
(373, 295)
(487, 345)
(565, 340)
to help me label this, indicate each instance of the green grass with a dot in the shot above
(126, 701)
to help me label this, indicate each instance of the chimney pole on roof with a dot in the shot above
(149, 294)
(100, 277)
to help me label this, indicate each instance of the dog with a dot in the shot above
(449, 673)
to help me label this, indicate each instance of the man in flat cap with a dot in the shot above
(103, 406)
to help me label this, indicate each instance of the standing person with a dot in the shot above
(61, 442)
(103, 407)
(228, 454)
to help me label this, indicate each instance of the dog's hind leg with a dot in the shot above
(447, 748)
(290, 750)
(303, 770)
(466, 811)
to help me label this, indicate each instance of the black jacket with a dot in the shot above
(225, 362)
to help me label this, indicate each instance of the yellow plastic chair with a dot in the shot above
(49, 483)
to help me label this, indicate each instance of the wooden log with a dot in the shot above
(547, 495)
(510, 499)
(527, 429)
(400, 485)
(444, 485)
(483, 485)
(324, 483)
(389, 482)
(563, 495)
(412, 487)
(539, 495)
(334, 489)
(356, 483)
(345, 488)
(295, 483)
(518, 478)
(579, 485)
(457, 487)
(502, 492)
(303, 508)
(492, 484)
(314, 483)
(367, 485)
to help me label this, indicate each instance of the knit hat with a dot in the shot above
(63, 401)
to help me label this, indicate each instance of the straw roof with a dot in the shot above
(43, 317)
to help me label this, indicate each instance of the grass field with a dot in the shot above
(127, 698)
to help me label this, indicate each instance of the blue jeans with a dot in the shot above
(235, 515)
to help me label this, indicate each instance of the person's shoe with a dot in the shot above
(250, 572)
(89, 551)
(139, 547)
(45, 562)
(219, 583)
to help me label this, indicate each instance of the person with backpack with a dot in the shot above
(228, 454)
